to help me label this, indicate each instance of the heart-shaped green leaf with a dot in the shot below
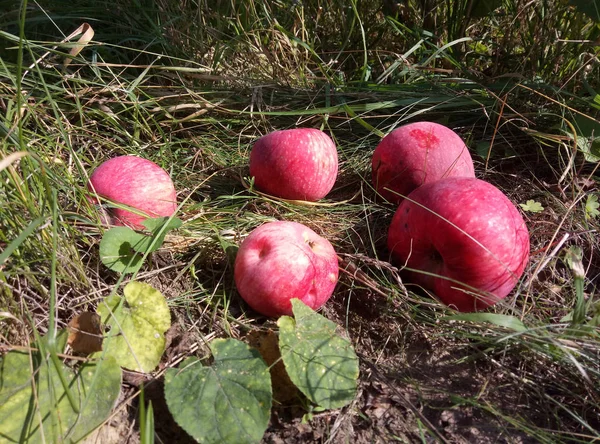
(322, 364)
(117, 250)
(33, 404)
(159, 227)
(122, 249)
(138, 323)
(228, 402)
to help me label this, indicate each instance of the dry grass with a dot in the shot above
(423, 375)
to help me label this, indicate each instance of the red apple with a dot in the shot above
(416, 154)
(280, 261)
(299, 164)
(137, 183)
(466, 235)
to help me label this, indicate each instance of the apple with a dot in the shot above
(416, 154)
(463, 239)
(137, 183)
(298, 164)
(280, 261)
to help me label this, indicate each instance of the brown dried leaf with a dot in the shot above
(85, 333)
(267, 344)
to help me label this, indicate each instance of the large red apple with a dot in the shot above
(463, 239)
(137, 183)
(416, 154)
(299, 164)
(280, 261)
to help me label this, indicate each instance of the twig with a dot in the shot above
(9, 348)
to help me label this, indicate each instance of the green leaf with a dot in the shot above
(483, 149)
(159, 227)
(122, 249)
(22, 411)
(506, 321)
(590, 148)
(588, 137)
(156, 225)
(322, 364)
(117, 250)
(532, 206)
(138, 323)
(591, 206)
(228, 402)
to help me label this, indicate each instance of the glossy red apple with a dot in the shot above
(280, 261)
(299, 164)
(416, 154)
(137, 183)
(464, 239)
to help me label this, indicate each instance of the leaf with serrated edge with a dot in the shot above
(532, 206)
(228, 402)
(136, 339)
(322, 364)
(96, 387)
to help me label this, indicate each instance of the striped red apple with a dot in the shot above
(461, 238)
(134, 182)
(416, 154)
(297, 164)
(280, 261)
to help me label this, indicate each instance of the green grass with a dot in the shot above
(191, 87)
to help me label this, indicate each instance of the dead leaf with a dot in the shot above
(7, 315)
(267, 344)
(85, 333)
(87, 33)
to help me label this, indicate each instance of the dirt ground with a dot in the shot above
(413, 387)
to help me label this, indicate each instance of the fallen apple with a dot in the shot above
(299, 164)
(416, 154)
(280, 261)
(463, 239)
(137, 183)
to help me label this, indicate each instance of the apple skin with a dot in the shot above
(279, 261)
(423, 240)
(298, 164)
(416, 154)
(135, 182)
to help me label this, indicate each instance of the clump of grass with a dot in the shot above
(193, 98)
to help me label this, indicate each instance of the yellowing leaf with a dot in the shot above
(34, 407)
(591, 207)
(138, 323)
(532, 206)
